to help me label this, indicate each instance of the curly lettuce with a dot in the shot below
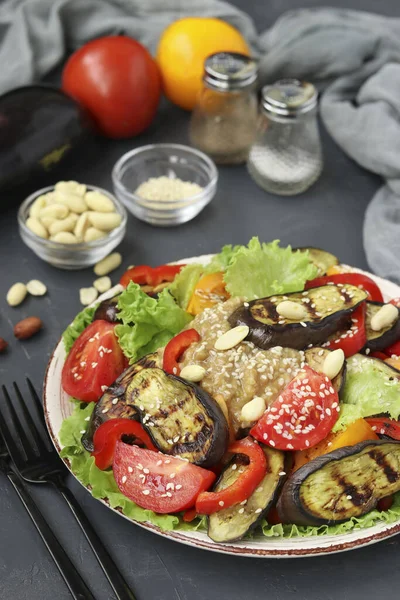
(74, 330)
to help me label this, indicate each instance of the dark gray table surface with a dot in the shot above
(329, 215)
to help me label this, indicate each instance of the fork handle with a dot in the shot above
(110, 569)
(74, 581)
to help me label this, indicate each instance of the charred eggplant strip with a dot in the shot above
(322, 259)
(315, 358)
(230, 524)
(379, 340)
(112, 404)
(345, 483)
(327, 309)
(181, 418)
(107, 310)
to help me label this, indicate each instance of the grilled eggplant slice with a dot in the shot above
(329, 308)
(230, 524)
(315, 358)
(379, 340)
(107, 310)
(182, 419)
(345, 483)
(322, 259)
(106, 408)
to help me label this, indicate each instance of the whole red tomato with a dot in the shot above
(118, 82)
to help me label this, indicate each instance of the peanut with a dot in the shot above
(70, 187)
(82, 225)
(67, 224)
(232, 338)
(333, 363)
(3, 345)
(99, 202)
(92, 234)
(36, 227)
(37, 206)
(105, 221)
(103, 284)
(47, 221)
(384, 317)
(27, 328)
(36, 287)
(88, 295)
(64, 237)
(16, 294)
(193, 373)
(75, 203)
(56, 211)
(291, 310)
(253, 410)
(108, 264)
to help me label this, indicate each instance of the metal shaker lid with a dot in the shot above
(289, 98)
(227, 71)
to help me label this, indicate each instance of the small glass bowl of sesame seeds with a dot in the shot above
(165, 184)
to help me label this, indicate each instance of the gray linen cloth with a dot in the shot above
(353, 56)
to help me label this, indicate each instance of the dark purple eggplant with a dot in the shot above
(182, 419)
(345, 483)
(107, 310)
(379, 340)
(108, 408)
(231, 524)
(327, 310)
(41, 129)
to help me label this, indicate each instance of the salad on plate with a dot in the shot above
(257, 394)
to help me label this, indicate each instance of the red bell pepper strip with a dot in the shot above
(393, 349)
(208, 503)
(145, 275)
(385, 426)
(357, 279)
(106, 436)
(378, 354)
(355, 338)
(176, 347)
(189, 515)
(385, 503)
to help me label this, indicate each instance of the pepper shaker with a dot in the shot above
(224, 121)
(286, 157)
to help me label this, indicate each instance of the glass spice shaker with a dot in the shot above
(224, 121)
(286, 157)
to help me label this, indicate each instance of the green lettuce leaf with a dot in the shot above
(73, 331)
(348, 414)
(147, 323)
(184, 283)
(261, 270)
(103, 485)
(221, 261)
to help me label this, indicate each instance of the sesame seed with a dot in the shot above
(146, 492)
(94, 365)
(146, 471)
(83, 431)
(281, 473)
(241, 511)
(115, 401)
(349, 497)
(221, 503)
(272, 443)
(139, 466)
(243, 503)
(169, 495)
(158, 463)
(258, 510)
(303, 324)
(168, 461)
(170, 486)
(234, 467)
(172, 475)
(289, 446)
(124, 478)
(130, 469)
(259, 489)
(105, 410)
(178, 487)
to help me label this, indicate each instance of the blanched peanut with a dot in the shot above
(16, 294)
(37, 206)
(67, 224)
(99, 202)
(333, 363)
(36, 287)
(193, 373)
(231, 338)
(108, 264)
(64, 237)
(253, 410)
(47, 221)
(384, 317)
(291, 310)
(50, 198)
(55, 211)
(36, 227)
(105, 221)
(70, 187)
(103, 284)
(88, 295)
(75, 203)
(92, 234)
(82, 225)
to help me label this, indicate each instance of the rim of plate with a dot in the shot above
(258, 547)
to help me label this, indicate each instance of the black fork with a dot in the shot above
(40, 463)
(74, 581)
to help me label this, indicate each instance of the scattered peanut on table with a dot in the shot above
(71, 209)
(108, 264)
(28, 327)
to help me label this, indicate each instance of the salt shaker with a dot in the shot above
(286, 157)
(224, 121)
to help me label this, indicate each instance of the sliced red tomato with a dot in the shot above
(210, 502)
(302, 415)
(385, 426)
(357, 279)
(352, 340)
(395, 301)
(94, 362)
(156, 481)
(393, 350)
(145, 275)
(190, 515)
(106, 436)
(176, 347)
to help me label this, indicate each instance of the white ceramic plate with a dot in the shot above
(57, 407)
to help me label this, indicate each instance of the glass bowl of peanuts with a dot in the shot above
(165, 184)
(72, 225)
